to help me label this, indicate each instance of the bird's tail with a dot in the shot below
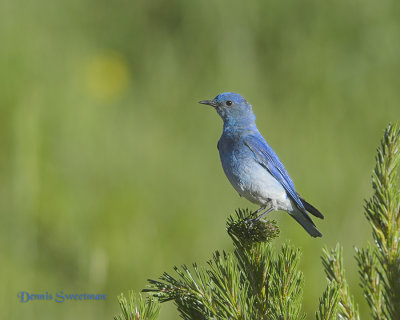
(306, 222)
(310, 208)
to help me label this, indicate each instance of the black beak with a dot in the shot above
(209, 102)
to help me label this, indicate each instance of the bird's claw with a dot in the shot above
(251, 222)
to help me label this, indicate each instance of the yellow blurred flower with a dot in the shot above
(107, 76)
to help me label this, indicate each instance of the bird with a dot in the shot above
(252, 166)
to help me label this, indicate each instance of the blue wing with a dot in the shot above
(270, 161)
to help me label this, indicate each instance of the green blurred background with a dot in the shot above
(109, 169)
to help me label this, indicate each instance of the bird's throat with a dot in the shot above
(237, 125)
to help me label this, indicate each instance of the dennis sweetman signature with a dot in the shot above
(59, 296)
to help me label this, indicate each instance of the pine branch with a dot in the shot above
(251, 283)
(329, 302)
(286, 285)
(383, 213)
(254, 253)
(191, 294)
(334, 269)
(137, 308)
(231, 288)
(245, 231)
(370, 281)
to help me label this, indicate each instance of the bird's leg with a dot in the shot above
(258, 210)
(271, 206)
(261, 215)
(265, 213)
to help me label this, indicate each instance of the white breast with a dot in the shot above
(249, 178)
(260, 186)
(255, 183)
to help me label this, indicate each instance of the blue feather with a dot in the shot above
(267, 157)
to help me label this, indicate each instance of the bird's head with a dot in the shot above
(233, 108)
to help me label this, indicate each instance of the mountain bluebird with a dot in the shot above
(252, 167)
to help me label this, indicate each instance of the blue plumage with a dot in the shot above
(267, 157)
(252, 166)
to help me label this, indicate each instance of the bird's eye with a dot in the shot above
(228, 103)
